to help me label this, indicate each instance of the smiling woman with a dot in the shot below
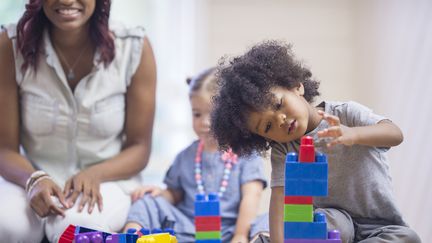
(67, 78)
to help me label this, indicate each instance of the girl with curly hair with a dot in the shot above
(265, 102)
(77, 95)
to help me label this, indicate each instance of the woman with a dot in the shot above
(79, 97)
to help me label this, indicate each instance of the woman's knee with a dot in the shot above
(18, 221)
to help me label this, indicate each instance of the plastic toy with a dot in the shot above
(306, 176)
(207, 219)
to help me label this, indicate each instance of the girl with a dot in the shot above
(201, 168)
(265, 101)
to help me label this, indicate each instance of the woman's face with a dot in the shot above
(69, 15)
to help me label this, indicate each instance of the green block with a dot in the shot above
(298, 213)
(208, 235)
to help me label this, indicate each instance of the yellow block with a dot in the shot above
(157, 238)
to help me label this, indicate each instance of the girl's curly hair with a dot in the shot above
(244, 84)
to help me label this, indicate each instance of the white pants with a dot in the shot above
(19, 223)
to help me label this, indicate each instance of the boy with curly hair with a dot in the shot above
(265, 102)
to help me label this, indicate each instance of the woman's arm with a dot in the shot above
(276, 214)
(251, 195)
(13, 166)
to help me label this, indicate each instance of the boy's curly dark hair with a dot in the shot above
(244, 84)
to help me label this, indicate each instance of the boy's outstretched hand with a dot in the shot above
(338, 133)
(154, 191)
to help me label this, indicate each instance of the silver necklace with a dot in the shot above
(70, 74)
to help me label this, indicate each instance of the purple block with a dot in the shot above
(112, 239)
(313, 241)
(89, 237)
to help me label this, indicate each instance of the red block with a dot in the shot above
(68, 235)
(307, 150)
(207, 220)
(298, 200)
(207, 227)
(207, 223)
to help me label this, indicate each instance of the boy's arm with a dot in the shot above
(383, 134)
(276, 213)
(251, 194)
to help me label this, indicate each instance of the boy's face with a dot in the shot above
(287, 117)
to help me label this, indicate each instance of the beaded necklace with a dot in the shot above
(229, 158)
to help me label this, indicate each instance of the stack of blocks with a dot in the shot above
(306, 176)
(207, 219)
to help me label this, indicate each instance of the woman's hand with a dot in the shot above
(239, 239)
(41, 198)
(86, 183)
(338, 133)
(154, 191)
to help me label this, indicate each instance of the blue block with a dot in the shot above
(306, 171)
(307, 230)
(204, 207)
(312, 241)
(208, 241)
(306, 179)
(306, 188)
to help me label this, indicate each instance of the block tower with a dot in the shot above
(306, 176)
(207, 219)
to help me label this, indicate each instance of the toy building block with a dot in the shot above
(298, 200)
(307, 150)
(208, 207)
(306, 179)
(89, 237)
(307, 230)
(157, 238)
(207, 218)
(306, 175)
(298, 213)
(207, 223)
(208, 241)
(332, 237)
(208, 235)
(68, 234)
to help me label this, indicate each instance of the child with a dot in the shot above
(264, 101)
(201, 168)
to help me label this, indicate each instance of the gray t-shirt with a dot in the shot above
(359, 179)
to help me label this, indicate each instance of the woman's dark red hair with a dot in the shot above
(31, 25)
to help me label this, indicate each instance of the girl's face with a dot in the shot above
(286, 120)
(201, 109)
(69, 15)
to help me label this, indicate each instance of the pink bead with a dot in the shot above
(224, 183)
(197, 159)
(228, 165)
(197, 177)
